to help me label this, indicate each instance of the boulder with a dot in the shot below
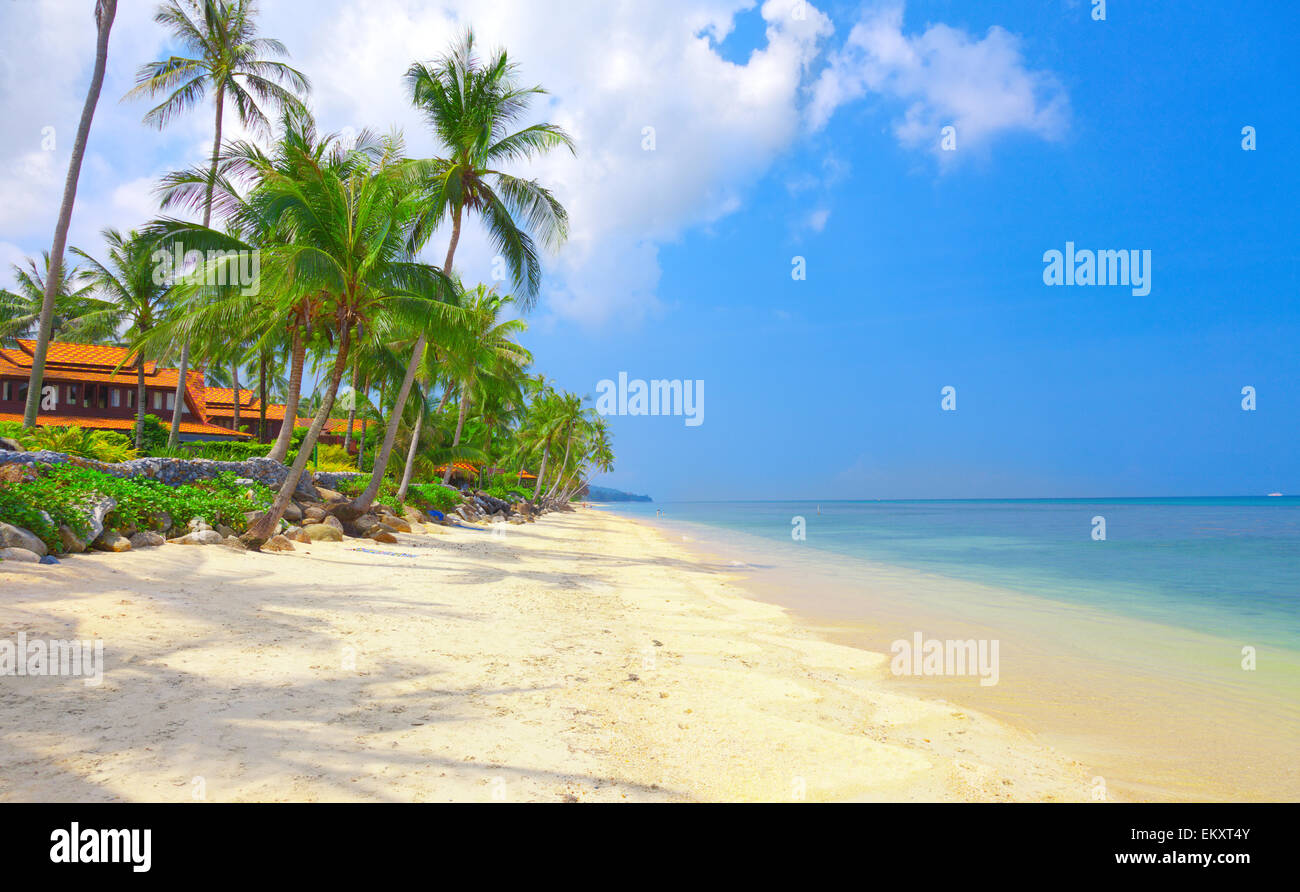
(296, 534)
(72, 543)
(19, 555)
(147, 539)
(225, 531)
(361, 526)
(278, 543)
(197, 524)
(396, 523)
(329, 495)
(113, 541)
(323, 532)
(292, 513)
(382, 535)
(233, 542)
(198, 537)
(8, 444)
(313, 514)
(413, 516)
(17, 537)
(331, 521)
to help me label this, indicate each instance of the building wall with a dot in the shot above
(87, 399)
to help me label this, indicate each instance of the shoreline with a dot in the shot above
(584, 657)
(1161, 713)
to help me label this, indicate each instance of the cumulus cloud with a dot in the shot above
(617, 73)
(941, 76)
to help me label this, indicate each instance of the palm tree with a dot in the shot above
(484, 349)
(20, 311)
(572, 415)
(227, 58)
(105, 11)
(344, 224)
(471, 106)
(131, 301)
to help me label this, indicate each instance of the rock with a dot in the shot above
(292, 513)
(198, 537)
(329, 495)
(381, 535)
(198, 523)
(517, 518)
(361, 526)
(313, 514)
(397, 524)
(331, 521)
(278, 543)
(233, 542)
(111, 540)
(147, 539)
(323, 532)
(162, 520)
(50, 559)
(296, 534)
(225, 531)
(413, 516)
(17, 537)
(11, 445)
(19, 555)
(72, 544)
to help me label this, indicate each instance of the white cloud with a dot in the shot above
(612, 70)
(942, 76)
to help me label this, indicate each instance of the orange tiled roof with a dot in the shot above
(97, 363)
(121, 424)
(221, 404)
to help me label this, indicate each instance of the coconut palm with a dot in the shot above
(343, 225)
(227, 58)
(470, 105)
(20, 310)
(131, 301)
(105, 11)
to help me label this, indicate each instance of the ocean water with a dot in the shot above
(1228, 567)
(1128, 653)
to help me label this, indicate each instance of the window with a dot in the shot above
(116, 399)
(6, 391)
(22, 392)
(102, 400)
(130, 399)
(157, 399)
(171, 401)
(73, 393)
(86, 396)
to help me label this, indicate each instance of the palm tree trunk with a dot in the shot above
(564, 465)
(455, 440)
(363, 502)
(105, 11)
(264, 527)
(541, 472)
(174, 437)
(352, 409)
(410, 453)
(281, 447)
(261, 391)
(235, 388)
(139, 404)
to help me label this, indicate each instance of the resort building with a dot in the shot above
(95, 387)
(221, 411)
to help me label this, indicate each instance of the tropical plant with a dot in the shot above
(470, 104)
(227, 58)
(105, 11)
(20, 310)
(130, 301)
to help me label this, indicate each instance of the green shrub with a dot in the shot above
(105, 446)
(433, 495)
(59, 491)
(154, 436)
(227, 450)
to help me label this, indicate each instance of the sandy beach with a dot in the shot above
(584, 657)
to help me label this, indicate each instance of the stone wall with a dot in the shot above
(176, 471)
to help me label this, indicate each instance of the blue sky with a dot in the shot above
(819, 137)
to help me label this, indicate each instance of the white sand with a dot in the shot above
(581, 657)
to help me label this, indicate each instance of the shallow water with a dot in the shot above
(1126, 652)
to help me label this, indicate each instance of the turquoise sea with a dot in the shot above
(1229, 567)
